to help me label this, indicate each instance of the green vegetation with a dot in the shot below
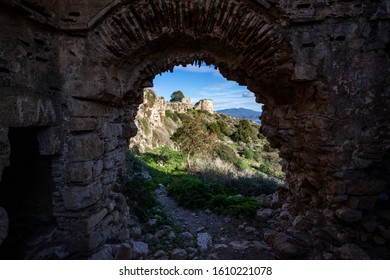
(171, 115)
(245, 132)
(192, 139)
(248, 154)
(209, 184)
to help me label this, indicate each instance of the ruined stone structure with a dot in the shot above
(153, 122)
(205, 105)
(72, 75)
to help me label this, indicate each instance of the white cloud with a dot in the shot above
(248, 94)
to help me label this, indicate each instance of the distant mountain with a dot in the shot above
(242, 113)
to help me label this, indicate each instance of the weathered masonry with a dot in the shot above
(72, 74)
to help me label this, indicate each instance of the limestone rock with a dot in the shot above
(213, 256)
(160, 255)
(349, 215)
(186, 237)
(105, 253)
(85, 147)
(3, 225)
(204, 240)
(240, 245)
(287, 247)
(135, 232)
(179, 254)
(76, 198)
(351, 252)
(81, 172)
(301, 223)
(140, 249)
(125, 252)
(263, 215)
(220, 247)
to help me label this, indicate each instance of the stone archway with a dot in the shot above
(314, 65)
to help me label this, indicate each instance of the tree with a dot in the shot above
(193, 139)
(177, 96)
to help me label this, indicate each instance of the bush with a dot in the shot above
(214, 128)
(227, 154)
(242, 165)
(171, 115)
(245, 132)
(191, 192)
(248, 154)
(140, 196)
(165, 159)
(264, 168)
(224, 128)
(234, 205)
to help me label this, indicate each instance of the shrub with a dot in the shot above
(234, 205)
(227, 154)
(248, 154)
(165, 160)
(242, 165)
(214, 128)
(245, 132)
(140, 196)
(171, 115)
(264, 168)
(191, 192)
(224, 128)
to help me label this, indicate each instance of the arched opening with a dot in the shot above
(217, 183)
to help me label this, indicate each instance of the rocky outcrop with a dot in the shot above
(72, 77)
(155, 120)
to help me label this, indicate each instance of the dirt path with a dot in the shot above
(231, 238)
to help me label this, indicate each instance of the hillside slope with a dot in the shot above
(238, 141)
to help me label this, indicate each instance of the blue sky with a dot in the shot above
(205, 83)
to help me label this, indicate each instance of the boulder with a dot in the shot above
(204, 241)
(351, 252)
(240, 245)
(105, 253)
(140, 249)
(125, 252)
(349, 215)
(160, 255)
(179, 254)
(287, 247)
(263, 215)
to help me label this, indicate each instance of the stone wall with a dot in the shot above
(76, 72)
